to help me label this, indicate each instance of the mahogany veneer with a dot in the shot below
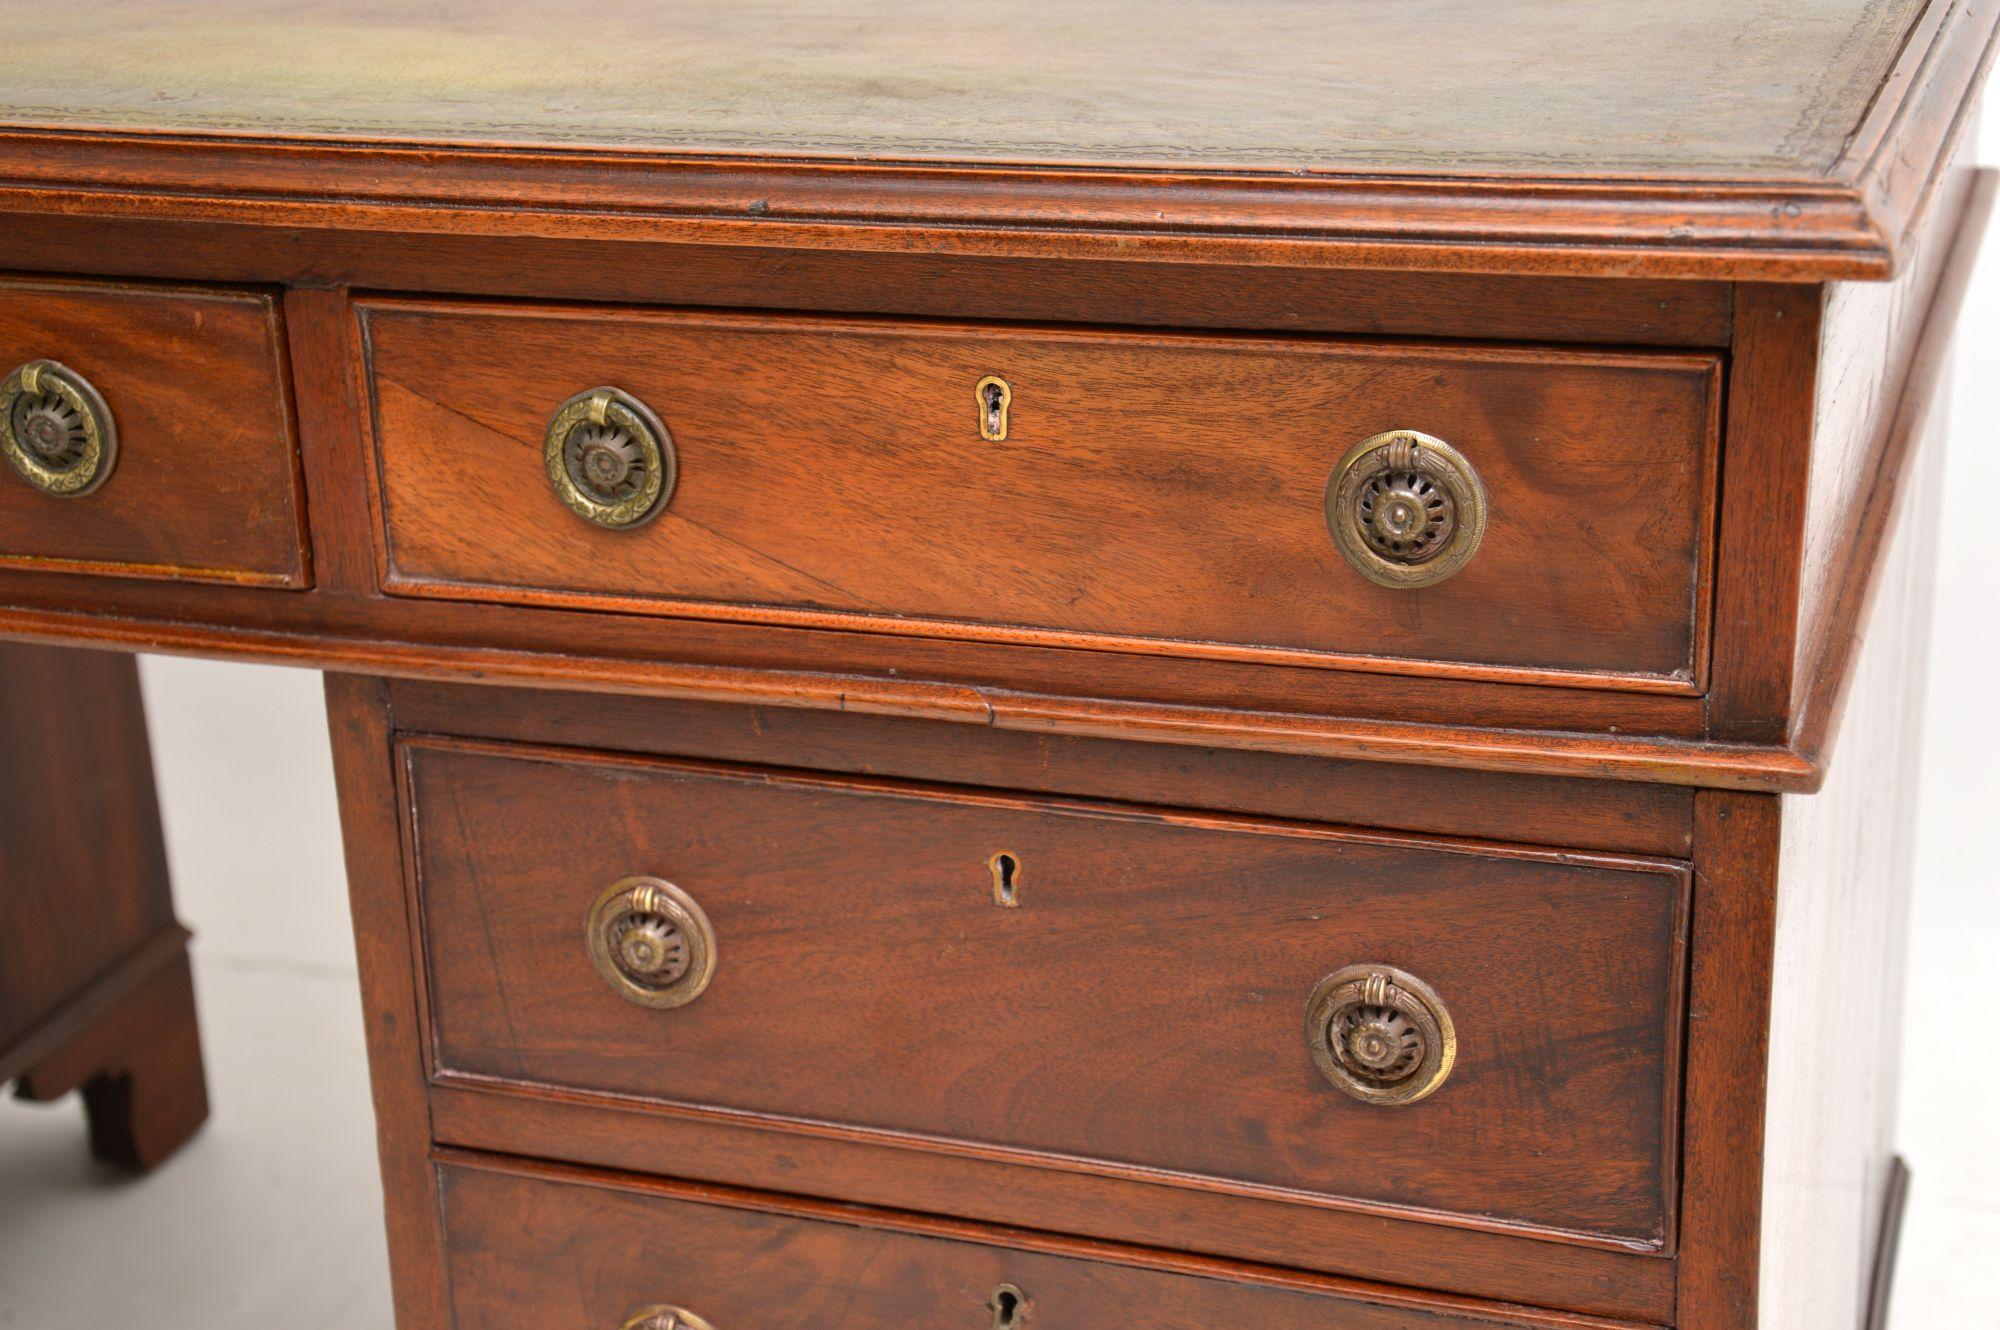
(209, 473)
(1145, 955)
(761, 1260)
(890, 885)
(95, 993)
(833, 474)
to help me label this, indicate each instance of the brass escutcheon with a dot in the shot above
(56, 430)
(610, 459)
(651, 942)
(1005, 866)
(1406, 509)
(1009, 1306)
(994, 396)
(1380, 1034)
(664, 1316)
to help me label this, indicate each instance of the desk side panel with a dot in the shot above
(1845, 857)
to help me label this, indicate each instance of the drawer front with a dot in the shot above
(1061, 985)
(561, 1250)
(1153, 493)
(202, 478)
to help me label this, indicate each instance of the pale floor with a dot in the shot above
(272, 1216)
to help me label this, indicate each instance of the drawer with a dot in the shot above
(1154, 493)
(1060, 985)
(559, 1249)
(162, 446)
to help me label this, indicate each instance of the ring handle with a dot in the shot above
(56, 430)
(610, 459)
(1406, 509)
(1380, 1034)
(651, 942)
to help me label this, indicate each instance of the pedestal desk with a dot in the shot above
(1017, 664)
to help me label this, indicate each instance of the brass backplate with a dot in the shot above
(1380, 1034)
(1406, 509)
(651, 942)
(56, 430)
(610, 459)
(664, 1316)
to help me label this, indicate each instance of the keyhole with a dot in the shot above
(1006, 879)
(993, 394)
(1008, 1304)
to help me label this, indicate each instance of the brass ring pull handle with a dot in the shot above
(1380, 1034)
(651, 942)
(56, 430)
(609, 458)
(1407, 510)
(663, 1316)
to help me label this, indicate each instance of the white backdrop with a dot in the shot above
(271, 1216)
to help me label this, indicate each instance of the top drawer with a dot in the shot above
(1160, 493)
(159, 445)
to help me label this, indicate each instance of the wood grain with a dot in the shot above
(1728, 1051)
(1577, 204)
(1602, 228)
(1851, 542)
(1903, 151)
(1152, 494)
(1621, 816)
(1800, 916)
(1842, 940)
(1016, 687)
(77, 812)
(746, 1259)
(649, 269)
(364, 772)
(1757, 87)
(206, 485)
(520, 647)
(1384, 1247)
(1762, 527)
(1381, 1243)
(1153, 953)
(1120, 649)
(136, 1060)
(1872, 334)
(324, 348)
(94, 986)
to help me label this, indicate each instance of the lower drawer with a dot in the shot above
(559, 1249)
(1061, 986)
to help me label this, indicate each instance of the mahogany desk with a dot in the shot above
(1021, 664)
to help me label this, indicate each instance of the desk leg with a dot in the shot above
(95, 992)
